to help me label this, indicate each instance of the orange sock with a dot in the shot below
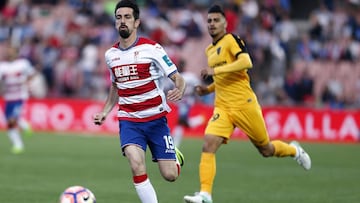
(207, 171)
(283, 149)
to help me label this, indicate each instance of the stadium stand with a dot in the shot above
(317, 51)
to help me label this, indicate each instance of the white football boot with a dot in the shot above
(301, 156)
(198, 197)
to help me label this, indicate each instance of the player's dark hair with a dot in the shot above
(216, 9)
(129, 4)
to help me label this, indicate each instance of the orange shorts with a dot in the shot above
(250, 120)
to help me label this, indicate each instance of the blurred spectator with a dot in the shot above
(354, 25)
(250, 10)
(69, 79)
(305, 48)
(299, 86)
(232, 16)
(88, 64)
(329, 35)
(185, 120)
(333, 94)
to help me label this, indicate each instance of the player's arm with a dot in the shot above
(110, 102)
(31, 72)
(32, 76)
(237, 47)
(180, 85)
(168, 67)
(242, 62)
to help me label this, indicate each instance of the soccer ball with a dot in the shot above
(77, 194)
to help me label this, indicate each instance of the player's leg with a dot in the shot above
(23, 124)
(169, 165)
(183, 114)
(207, 170)
(252, 123)
(163, 149)
(12, 113)
(217, 132)
(133, 144)
(25, 127)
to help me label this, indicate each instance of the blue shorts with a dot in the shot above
(155, 134)
(13, 109)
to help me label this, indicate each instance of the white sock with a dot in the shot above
(146, 192)
(178, 134)
(15, 138)
(23, 124)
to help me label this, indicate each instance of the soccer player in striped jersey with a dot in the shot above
(137, 66)
(15, 75)
(235, 105)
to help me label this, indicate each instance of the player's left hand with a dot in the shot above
(174, 94)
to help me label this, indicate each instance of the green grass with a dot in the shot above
(53, 162)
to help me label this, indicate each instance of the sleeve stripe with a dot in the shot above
(241, 44)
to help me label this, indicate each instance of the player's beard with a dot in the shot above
(213, 35)
(124, 33)
(216, 34)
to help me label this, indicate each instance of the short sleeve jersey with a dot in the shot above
(14, 76)
(137, 72)
(232, 90)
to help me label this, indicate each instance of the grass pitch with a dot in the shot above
(53, 162)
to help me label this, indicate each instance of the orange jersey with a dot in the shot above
(232, 89)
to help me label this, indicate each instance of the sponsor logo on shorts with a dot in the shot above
(171, 151)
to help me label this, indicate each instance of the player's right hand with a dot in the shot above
(201, 90)
(207, 72)
(99, 118)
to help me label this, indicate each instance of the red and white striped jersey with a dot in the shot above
(138, 72)
(14, 76)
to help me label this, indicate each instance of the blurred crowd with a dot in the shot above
(313, 61)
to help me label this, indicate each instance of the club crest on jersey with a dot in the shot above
(136, 56)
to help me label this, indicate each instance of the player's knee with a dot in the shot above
(169, 170)
(170, 176)
(212, 143)
(11, 124)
